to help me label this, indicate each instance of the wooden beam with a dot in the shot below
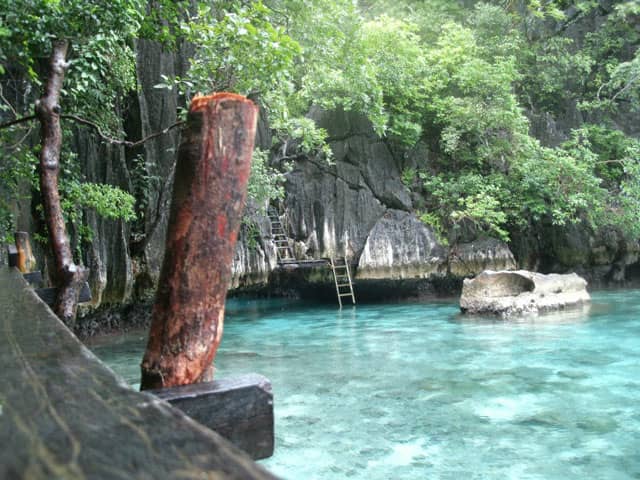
(49, 295)
(35, 278)
(65, 415)
(238, 408)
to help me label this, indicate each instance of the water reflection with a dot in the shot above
(574, 314)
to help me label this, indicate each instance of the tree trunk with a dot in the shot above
(69, 277)
(209, 193)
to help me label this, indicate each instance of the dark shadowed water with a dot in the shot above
(415, 391)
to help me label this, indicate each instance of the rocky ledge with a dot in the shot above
(510, 293)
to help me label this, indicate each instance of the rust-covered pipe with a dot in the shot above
(212, 170)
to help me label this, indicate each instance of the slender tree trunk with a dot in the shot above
(69, 277)
(209, 193)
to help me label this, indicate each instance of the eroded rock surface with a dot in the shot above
(510, 293)
(401, 246)
(468, 259)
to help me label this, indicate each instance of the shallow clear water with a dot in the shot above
(414, 391)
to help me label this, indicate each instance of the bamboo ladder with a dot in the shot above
(280, 238)
(342, 279)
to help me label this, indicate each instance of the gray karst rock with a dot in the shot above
(400, 246)
(357, 206)
(255, 255)
(468, 259)
(511, 293)
(333, 207)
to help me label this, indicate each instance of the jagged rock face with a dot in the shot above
(327, 212)
(333, 207)
(400, 246)
(468, 259)
(509, 294)
(110, 269)
(255, 255)
(603, 257)
(356, 206)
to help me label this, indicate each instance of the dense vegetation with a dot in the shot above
(462, 81)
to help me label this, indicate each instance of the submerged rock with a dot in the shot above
(508, 293)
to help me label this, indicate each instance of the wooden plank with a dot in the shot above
(48, 295)
(67, 416)
(12, 254)
(33, 278)
(238, 408)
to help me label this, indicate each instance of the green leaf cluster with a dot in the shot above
(100, 74)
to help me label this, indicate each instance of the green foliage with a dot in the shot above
(434, 221)
(15, 168)
(468, 198)
(459, 76)
(549, 67)
(558, 183)
(77, 193)
(107, 201)
(408, 177)
(470, 104)
(32, 24)
(627, 203)
(303, 132)
(251, 232)
(265, 183)
(162, 21)
(239, 50)
(100, 74)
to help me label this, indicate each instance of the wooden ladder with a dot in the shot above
(342, 279)
(280, 238)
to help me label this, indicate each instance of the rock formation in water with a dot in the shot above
(511, 293)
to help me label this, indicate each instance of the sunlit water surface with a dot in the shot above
(415, 391)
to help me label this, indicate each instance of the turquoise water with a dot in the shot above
(415, 391)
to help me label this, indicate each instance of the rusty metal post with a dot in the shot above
(209, 193)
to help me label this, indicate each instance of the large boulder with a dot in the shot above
(399, 247)
(508, 293)
(469, 259)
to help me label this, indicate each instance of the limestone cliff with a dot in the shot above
(355, 206)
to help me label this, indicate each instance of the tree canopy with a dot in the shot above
(466, 80)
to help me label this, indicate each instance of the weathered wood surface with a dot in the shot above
(64, 415)
(35, 279)
(238, 408)
(49, 295)
(209, 191)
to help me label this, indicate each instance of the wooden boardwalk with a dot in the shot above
(63, 414)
